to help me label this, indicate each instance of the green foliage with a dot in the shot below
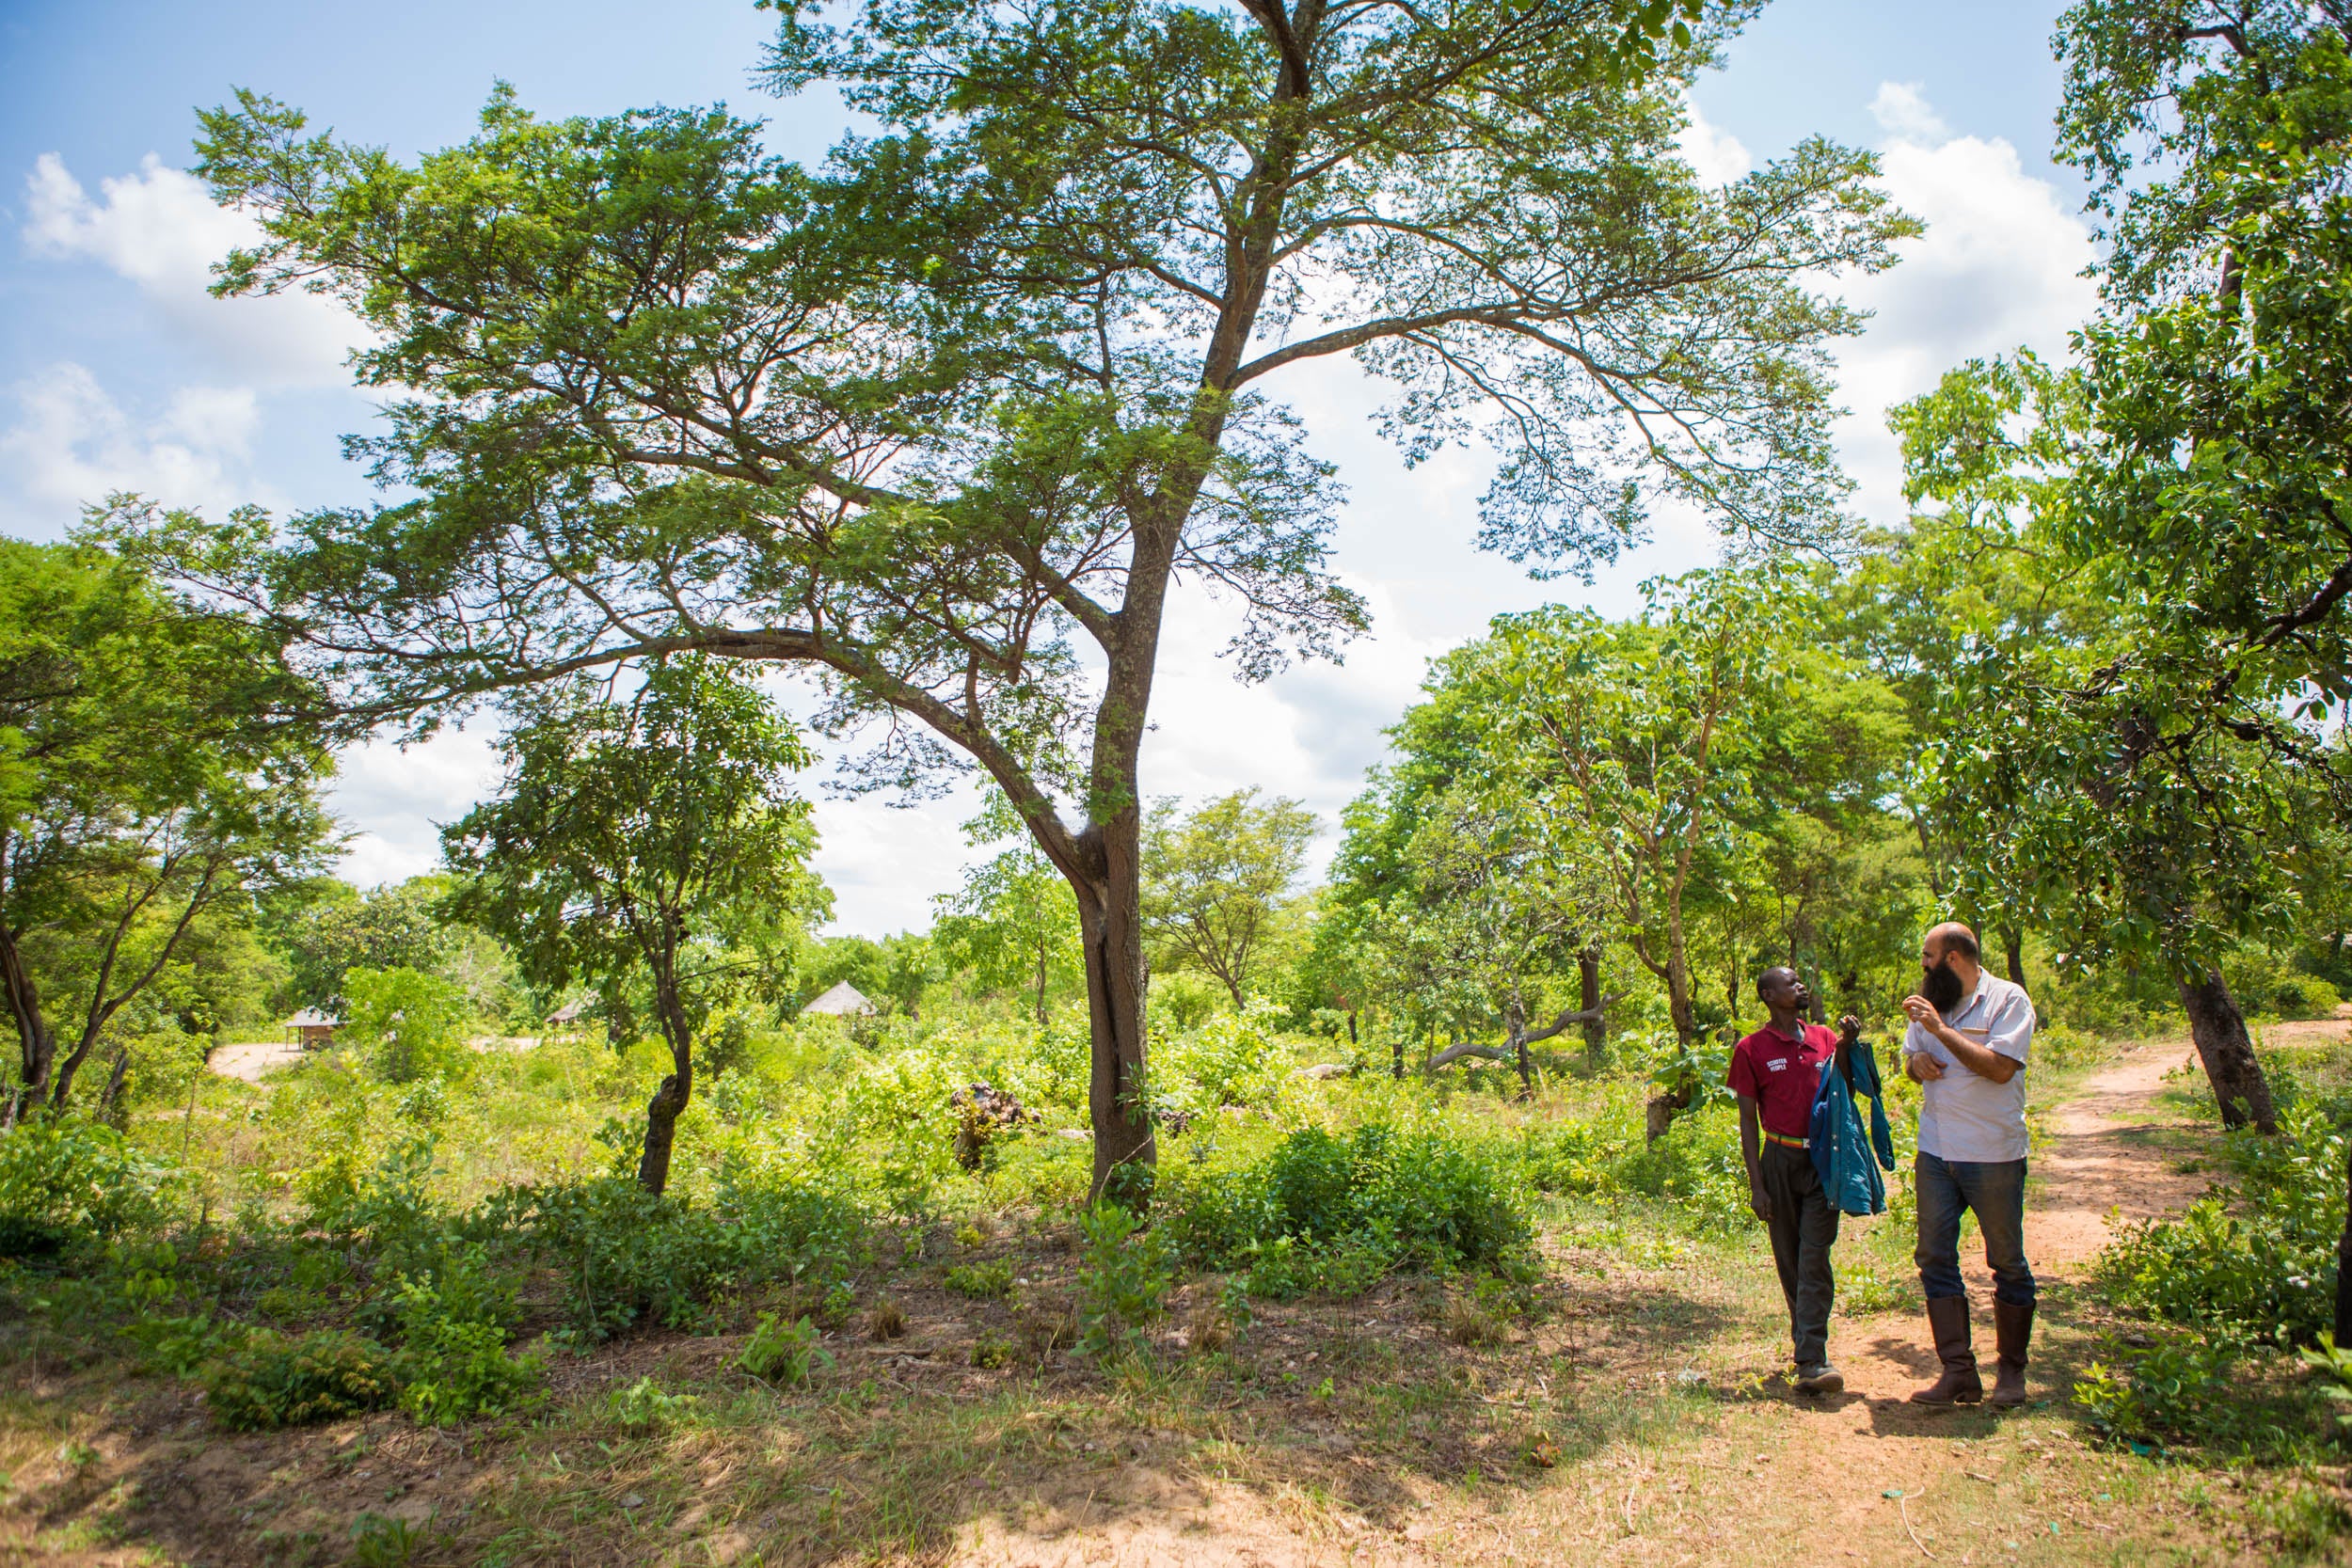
(2332, 1365)
(631, 1256)
(1379, 1198)
(1218, 883)
(1123, 1277)
(382, 1541)
(455, 1363)
(2176, 1390)
(787, 1353)
(1233, 1059)
(1697, 1166)
(276, 1382)
(64, 1181)
(645, 1408)
(410, 1024)
(980, 1281)
(160, 762)
(2253, 1264)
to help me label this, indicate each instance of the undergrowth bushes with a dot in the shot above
(2229, 1285)
(2252, 1263)
(1333, 1212)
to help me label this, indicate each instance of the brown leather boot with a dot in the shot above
(2012, 1328)
(1948, 1317)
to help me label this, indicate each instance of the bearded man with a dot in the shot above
(1966, 1046)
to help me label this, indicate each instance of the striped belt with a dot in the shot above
(1783, 1139)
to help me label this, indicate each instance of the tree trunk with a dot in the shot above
(2344, 1265)
(2219, 1030)
(37, 1043)
(113, 1108)
(668, 1101)
(1397, 1053)
(1515, 1020)
(2013, 950)
(1110, 914)
(1041, 985)
(1588, 1000)
(661, 1114)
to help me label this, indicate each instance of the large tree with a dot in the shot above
(1218, 883)
(651, 848)
(157, 773)
(1012, 924)
(948, 421)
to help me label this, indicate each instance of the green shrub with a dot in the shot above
(980, 1281)
(1697, 1166)
(1228, 1060)
(276, 1382)
(785, 1353)
(410, 1024)
(1398, 1197)
(65, 1180)
(2256, 1263)
(1123, 1281)
(644, 1408)
(454, 1360)
(629, 1255)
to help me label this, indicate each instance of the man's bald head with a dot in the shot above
(1950, 940)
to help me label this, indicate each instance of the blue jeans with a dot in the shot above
(1995, 1189)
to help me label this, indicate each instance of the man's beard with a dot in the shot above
(1943, 988)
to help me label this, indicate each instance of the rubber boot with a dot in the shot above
(2012, 1328)
(1948, 1317)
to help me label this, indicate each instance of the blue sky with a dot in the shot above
(117, 371)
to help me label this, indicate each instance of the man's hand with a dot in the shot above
(1759, 1202)
(1923, 1068)
(1849, 1029)
(1922, 1012)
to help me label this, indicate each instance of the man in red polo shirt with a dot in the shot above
(1776, 1072)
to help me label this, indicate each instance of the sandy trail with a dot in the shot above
(249, 1060)
(2109, 1159)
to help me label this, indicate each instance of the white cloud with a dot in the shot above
(162, 231)
(71, 444)
(399, 798)
(1999, 266)
(1713, 153)
(1902, 112)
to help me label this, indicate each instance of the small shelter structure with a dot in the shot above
(312, 1029)
(843, 1001)
(566, 1015)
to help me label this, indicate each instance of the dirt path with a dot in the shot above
(2110, 1158)
(249, 1060)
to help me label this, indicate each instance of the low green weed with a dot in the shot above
(645, 1408)
(980, 1281)
(1379, 1198)
(276, 1382)
(787, 1354)
(1122, 1282)
(454, 1358)
(64, 1180)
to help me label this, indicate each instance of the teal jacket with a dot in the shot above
(1849, 1180)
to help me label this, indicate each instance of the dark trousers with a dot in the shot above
(1804, 1227)
(1995, 1191)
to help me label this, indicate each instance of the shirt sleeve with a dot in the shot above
(1742, 1074)
(2010, 1030)
(1916, 1042)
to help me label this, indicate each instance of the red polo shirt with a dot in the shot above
(1782, 1076)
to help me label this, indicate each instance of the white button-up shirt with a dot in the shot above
(1963, 1116)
